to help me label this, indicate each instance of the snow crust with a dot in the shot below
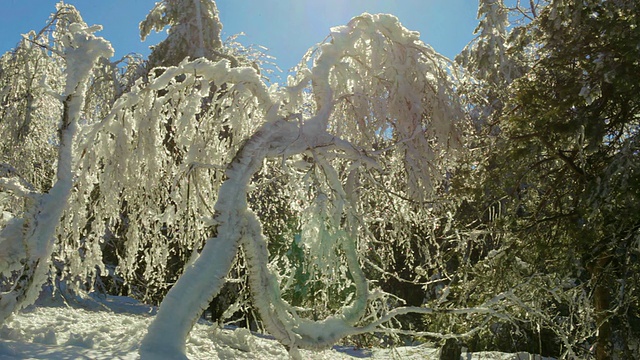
(54, 331)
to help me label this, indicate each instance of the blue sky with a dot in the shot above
(286, 27)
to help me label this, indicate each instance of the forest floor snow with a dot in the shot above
(114, 328)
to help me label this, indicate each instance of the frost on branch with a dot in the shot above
(382, 102)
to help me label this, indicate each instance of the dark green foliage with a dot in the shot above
(566, 161)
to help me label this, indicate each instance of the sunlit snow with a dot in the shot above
(112, 328)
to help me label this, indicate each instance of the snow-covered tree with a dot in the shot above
(376, 90)
(500, 54)
(194, 31)
(163, 198)
(28, 242)
(29, 114)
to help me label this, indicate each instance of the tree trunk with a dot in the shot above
(602, 305)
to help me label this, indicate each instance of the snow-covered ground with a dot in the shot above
(113, 328)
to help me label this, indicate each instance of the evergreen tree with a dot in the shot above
(569, 148)
(194, 31)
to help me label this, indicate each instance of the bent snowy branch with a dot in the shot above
(419, 105)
